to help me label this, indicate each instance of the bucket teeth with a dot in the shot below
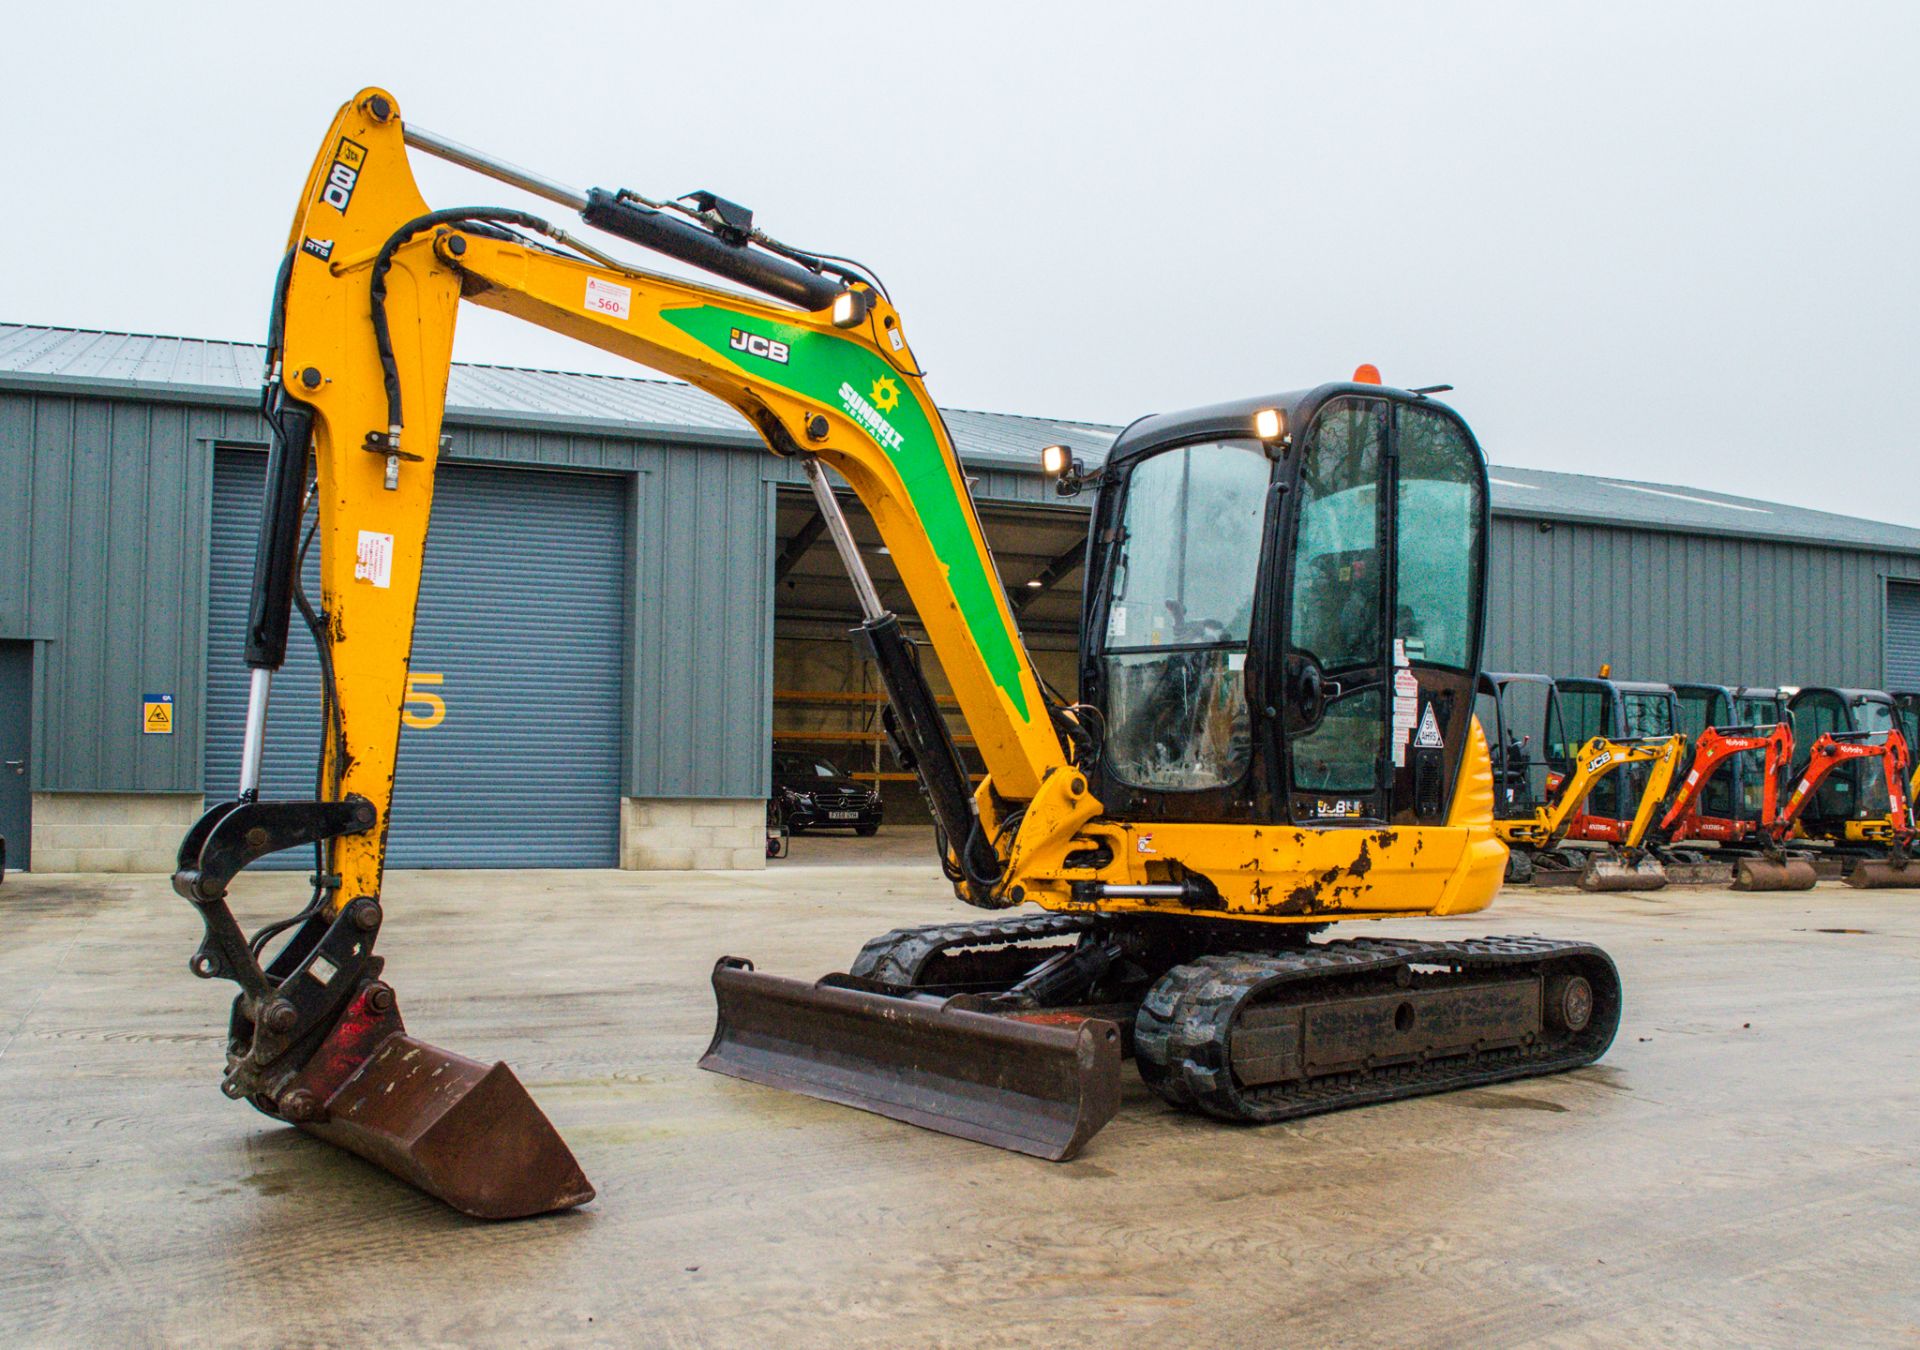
(1040, 1088)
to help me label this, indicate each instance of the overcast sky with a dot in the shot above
(1675, 243)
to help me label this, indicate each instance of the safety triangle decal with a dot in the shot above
(1428, 737)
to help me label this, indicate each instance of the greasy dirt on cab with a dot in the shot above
(1740, 1167)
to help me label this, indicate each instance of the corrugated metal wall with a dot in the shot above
(1677, 607)
(103, 547)
(103, 527)
(103, 555)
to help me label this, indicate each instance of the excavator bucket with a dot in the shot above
(1880, 874)
(1042, 1087)
(459, 1130)
(1765, 874)
(462, 1131)
(1611, 873)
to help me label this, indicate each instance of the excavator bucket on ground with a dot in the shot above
(315, 1037)
(458, 1129)
(1614, 872)
(1879, 874)
(1768, 874)
(1041, 1086)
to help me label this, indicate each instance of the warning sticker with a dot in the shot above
(609, 298)
(156, 715)
(1428, 737)
(373, 560)
(1405, 684)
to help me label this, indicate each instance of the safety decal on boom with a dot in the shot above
(1428, 737)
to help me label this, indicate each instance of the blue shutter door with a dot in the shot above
(522, 616)
(1903, 635)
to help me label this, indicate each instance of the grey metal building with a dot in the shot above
(623, 593)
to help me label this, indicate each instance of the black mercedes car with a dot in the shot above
(811, 793)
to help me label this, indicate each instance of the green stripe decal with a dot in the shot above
(842, 374)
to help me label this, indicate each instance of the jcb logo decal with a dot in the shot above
(755, 345)
(344, 175)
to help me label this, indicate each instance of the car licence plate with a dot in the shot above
(843, 815)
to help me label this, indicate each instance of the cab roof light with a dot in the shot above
(1366, 373)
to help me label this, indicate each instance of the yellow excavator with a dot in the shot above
(1533, 824)
(1274, 731)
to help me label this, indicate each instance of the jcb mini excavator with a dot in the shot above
(1537, 799)
(1282, 633)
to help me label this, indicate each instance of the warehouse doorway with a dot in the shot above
(16, 744)
(827, 699)
(512, 737)
(1903, 635)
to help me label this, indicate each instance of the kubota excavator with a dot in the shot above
(1282, 633)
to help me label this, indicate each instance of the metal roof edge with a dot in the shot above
(1775, 535)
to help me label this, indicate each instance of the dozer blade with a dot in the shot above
(1617, 874)
(1764, 874)
(1041, 1088)
(1880, 874)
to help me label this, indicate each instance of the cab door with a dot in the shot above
(1387, 555)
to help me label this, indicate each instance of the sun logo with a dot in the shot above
(885, 394)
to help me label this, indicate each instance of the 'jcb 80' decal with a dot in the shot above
(343, 175)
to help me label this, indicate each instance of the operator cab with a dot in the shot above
(1520, 715)
(1283, 612)
(1906, 705)
(1734, 791)
(1856, 791)
(1622, 710)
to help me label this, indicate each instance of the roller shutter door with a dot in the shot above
(1903, 635)
(522, 615)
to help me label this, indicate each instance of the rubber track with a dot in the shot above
(898, 957)
(1181, 1035)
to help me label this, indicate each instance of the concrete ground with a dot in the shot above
(1740, 1169)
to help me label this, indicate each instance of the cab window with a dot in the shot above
(1439, 512)
(1182, 591)
(1648, 714)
